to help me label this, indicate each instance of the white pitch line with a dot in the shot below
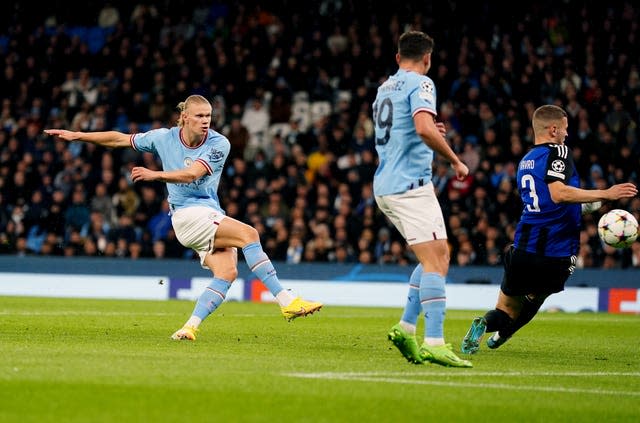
(323, 314)
(632, 318)
(79, 313)
(454, 373)
(568, 317)
(346, 376)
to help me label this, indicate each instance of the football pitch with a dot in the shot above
(78, 360)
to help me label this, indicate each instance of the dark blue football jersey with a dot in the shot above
(547, 228)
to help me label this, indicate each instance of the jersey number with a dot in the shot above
(383, 118)
(528, 182)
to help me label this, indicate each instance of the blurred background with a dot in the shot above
(292, 85)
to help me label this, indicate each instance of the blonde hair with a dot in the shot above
(544, 115)
(184, 105)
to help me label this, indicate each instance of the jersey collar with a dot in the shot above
(187, 145)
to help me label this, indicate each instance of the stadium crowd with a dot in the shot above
(292, 85)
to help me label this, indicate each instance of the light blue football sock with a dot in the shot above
(261, 266)
(211, 298)
(433, 300)
(413, 307)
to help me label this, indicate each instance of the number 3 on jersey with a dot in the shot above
(383, 118)
(528, 180)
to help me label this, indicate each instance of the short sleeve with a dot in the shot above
(146, 141)
(423, 97)
(559, 164)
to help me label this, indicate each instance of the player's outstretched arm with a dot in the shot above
(113, 139)
(561, 193)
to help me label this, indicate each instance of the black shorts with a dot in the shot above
(528, 273)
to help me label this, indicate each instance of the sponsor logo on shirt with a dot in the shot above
(556, 174)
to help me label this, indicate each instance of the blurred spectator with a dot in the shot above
(109, 16)
(102, 203)
(382, 246)
(160, 223)
(123, 233)
(238, 136)
(159, 249)
(149, 206)
(126, 200)
(295, 249)
(76, 216)
(635, 254)
(98, 230)
(256, 119)
(397, 254)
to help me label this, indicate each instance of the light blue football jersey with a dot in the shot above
(176, 155)
(404, 159)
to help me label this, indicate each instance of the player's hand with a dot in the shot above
(62, 133)
(140, 173)
(625, 190)
(461, 170)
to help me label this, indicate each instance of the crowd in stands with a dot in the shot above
(292, 84)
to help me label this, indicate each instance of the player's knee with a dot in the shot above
(227, 273)
(536, 299)
(442, 264)
(249, 234)
(443, 258)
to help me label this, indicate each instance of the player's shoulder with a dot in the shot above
(422, 84)
(559, 150)
(536, 152)
(152, 135)
(216, 138)
(416, 79)
(548, 148)
(158, 131)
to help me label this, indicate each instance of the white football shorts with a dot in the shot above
(415, 213)
(196, 228)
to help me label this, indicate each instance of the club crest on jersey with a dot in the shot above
(215, 155)
(188, 161)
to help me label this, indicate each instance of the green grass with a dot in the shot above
(70, 360)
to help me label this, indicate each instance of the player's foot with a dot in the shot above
(406, 343)
(471, 341)
(300, 307)
(443, 355)
(496, 340)
(186, 332)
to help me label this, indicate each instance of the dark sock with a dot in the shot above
(497, 320)
(529, 309)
